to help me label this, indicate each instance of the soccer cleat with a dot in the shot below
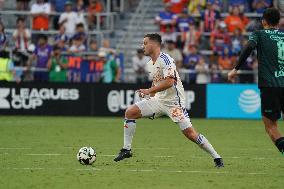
(123, 154)
(218, 162)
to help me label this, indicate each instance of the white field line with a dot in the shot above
(155, 148)
(141, 170)
(46, 154)
(12, 148)
(164, 156)
(169, 156)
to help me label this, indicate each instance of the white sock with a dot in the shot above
(206, 146)
(129, 130)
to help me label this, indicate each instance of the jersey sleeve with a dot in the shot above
(253, 37)
(168, 67)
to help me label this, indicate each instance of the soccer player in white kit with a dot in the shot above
(165, 97)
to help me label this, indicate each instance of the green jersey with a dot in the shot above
(110, 69)
(56, 73)
(270, 55)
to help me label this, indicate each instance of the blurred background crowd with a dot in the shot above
(72, 41)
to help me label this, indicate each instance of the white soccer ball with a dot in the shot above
(86, 156)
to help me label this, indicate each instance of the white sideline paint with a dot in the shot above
(140, 170)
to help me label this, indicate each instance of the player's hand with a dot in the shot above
(143, 92)
(232, 75)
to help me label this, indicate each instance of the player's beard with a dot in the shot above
(145, 53)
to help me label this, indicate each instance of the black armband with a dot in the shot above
(251, 45)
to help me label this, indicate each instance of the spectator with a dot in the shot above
(234, 20)
(61, 39)
(95, 6)
(215, 76)
(80, 10)
(80, 5)
(59, 7)
(279, 4)
(176, 6)
(22, 5)
(217, 5)
(166, 18)
(195, 7)
(237, 41)
(219, 39)
(111, 72)
(106, 48)
(57, 66)
(139, 63)
(22, 37)
(3, 42)
(7, 72)
(41, 56)
(209, 18)
(190, 62)
(77, 45)
(202, 70)
(68, 19)
(183, 21)
(80, 31)
(174, 53)
(260, 5)
(226, 61)
(2, 4)
(242, 4)
(61, 35)
(190, 38)
(93, 46)
(95, 66)
(169, 35)
(40, 12)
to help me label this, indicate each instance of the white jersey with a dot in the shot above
(165, 67)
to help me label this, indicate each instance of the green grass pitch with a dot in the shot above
(40, 152)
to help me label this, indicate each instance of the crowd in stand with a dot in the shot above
(70, 55)
(189, 27)
(204, 37)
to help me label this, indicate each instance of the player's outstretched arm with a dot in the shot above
(250, 46)
(165, 84)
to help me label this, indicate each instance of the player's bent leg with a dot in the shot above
(271, 128)
(131, 114)
(201, 141)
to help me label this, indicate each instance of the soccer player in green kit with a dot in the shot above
(269, 43)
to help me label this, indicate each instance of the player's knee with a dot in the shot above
(132, 113)
(184, 124)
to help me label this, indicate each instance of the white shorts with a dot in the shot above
(154, 108)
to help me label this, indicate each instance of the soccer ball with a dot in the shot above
(86, 156)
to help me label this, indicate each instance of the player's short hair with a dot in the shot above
(271, 16)
(154, 37)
